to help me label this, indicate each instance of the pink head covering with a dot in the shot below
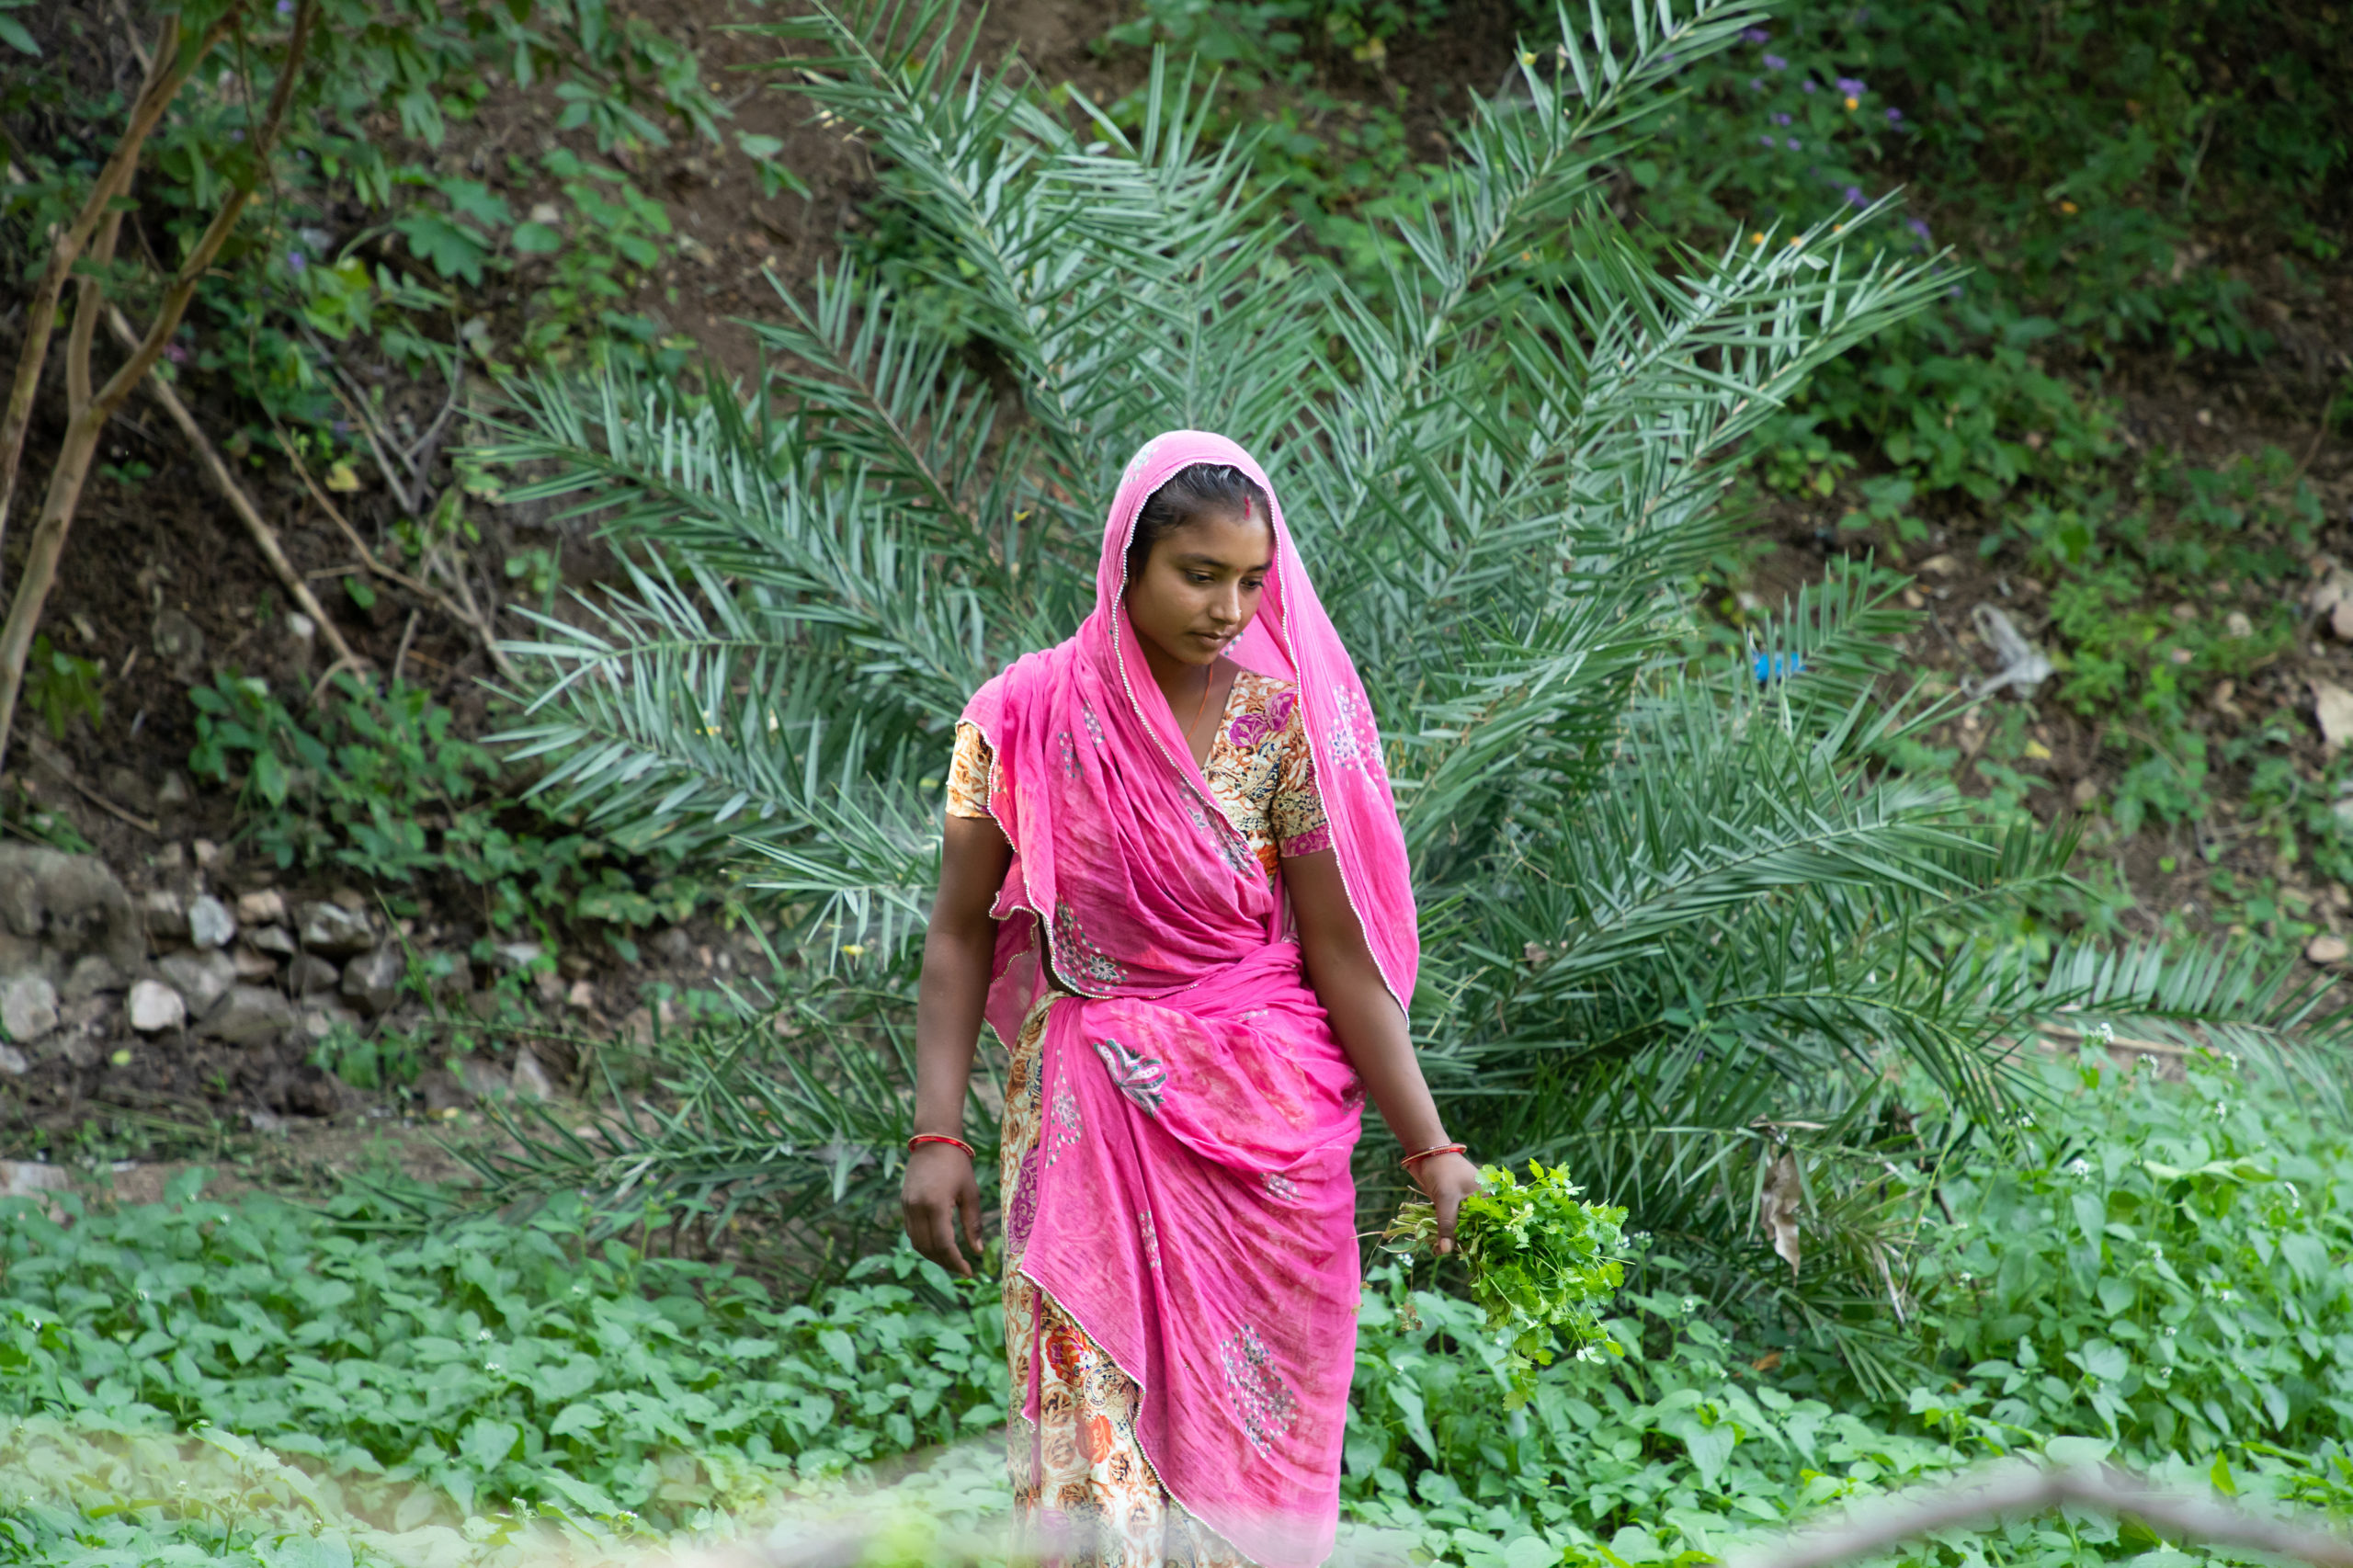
(1291, 639)
(1188, 1201)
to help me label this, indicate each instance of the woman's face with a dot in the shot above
(1202, 584)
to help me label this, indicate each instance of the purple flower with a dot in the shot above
(176, 354)
(1781, 120)
(1855, 197)
(285, 9)
(1895, 117)
(296, 261)
(1852, 87)
(341, 427)
(1795, 144)
(1919, 229)
(1756, 35)
(1774, 63)
(1809, 84)
(1757, 83)
(1767, 141)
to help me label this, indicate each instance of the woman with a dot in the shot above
(1174, 876)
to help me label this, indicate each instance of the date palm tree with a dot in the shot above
(1681, 916)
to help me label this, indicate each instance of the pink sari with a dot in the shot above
(1189, 1203)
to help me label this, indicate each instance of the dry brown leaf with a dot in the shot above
(1777, 1208)
(2333, 706)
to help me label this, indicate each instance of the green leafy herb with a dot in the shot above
(1542, 1260)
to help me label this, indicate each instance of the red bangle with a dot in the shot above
(1410, 1161)
(941, 1138)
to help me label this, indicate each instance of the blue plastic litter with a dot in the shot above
(1777, 667)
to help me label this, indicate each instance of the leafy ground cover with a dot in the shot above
(2159, 1278)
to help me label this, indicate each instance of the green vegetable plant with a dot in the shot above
(379, 783)
(1542, 1261)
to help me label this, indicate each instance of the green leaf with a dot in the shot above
(487, 1443)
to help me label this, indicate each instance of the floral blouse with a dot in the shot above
(1259, 769)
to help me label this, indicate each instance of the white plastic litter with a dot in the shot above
(2024, 667)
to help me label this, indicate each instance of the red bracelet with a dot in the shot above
(1410, 1161)
(940, 1137)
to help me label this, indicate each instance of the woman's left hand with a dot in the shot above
(1445, 1180)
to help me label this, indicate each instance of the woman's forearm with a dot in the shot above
(1366, 1019)
(1371, 1029)
(947, 1023)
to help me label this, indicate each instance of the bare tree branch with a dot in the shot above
(264, 536)
(2023, 1488)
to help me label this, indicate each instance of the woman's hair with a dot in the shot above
(1191, 494)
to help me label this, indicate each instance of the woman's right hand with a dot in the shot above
(940, 1191)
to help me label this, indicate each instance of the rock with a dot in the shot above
(207, 853)
(2237, 624)
(89, 976)
(202, 979)
(582, 997)
(350, 898)
(309, 975)
(85, 1015)
(253, 965)
(156, 1007)
(210, 924)
(24, 1179)
(451, 976)
(27, 1007)
(336, 932)
(2333, 706)
(2086, 791)
(180, 643)
(263, 906)
(22, 955)
(164, 915)
(530, 1079)
(248, 1015)
(2326, 948)
(319, 1017)
(372, 981)
(69, 902)
(274, 939)
(673, 943)
(124, 785)
(13, 1062)
(512, 956)
(2340, 620)
(482, 1078)
(174, 790)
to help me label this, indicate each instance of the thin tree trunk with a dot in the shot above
(91, 411)
(155, 93)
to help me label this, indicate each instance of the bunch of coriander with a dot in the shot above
(1542, 1260)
